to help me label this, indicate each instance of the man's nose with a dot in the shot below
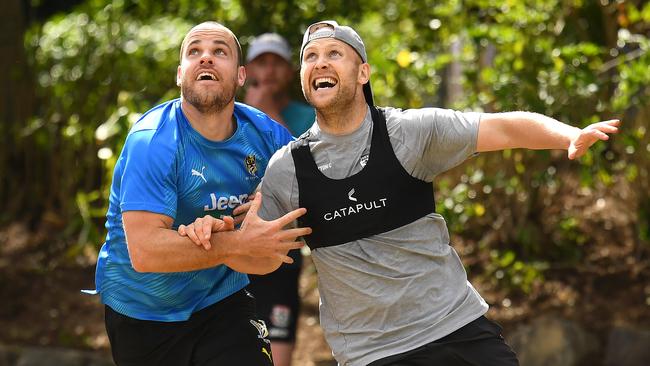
(321, 63)
(206, 58)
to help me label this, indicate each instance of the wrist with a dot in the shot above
(574, 133)
(224, 245)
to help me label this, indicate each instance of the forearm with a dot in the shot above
(498, 131)
(164, 250)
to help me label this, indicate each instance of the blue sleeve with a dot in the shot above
(148, 181)
(281, 136)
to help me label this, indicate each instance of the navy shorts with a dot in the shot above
(278, 302)
(226, 333)
(478, 343)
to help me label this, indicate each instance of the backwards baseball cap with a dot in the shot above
(269, 43)
(331, 29)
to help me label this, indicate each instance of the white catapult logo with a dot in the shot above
(196, 172)
(350, 195)
(355, 208)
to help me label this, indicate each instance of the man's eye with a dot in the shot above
(310, 56)
(219, 52)
(193, 51)
(334, 53)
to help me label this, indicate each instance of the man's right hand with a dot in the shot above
(256, 237)
(202, 228)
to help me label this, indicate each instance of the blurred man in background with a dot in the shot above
(270, 74)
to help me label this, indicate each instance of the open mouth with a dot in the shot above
(323, 83)
(206, 76)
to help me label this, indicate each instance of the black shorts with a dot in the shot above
(478, 343)
(278, 302)
(226, 333)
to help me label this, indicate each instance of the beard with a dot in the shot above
(338, 103)
(208, 100)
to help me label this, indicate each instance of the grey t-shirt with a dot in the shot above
(395, 291)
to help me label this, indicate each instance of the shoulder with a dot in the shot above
(398, 115)
(263, 124)
(429, 118)
(156, 131)
(281, 163)
(258, 119)
(160, 116)
(283, 158)
(281, 169)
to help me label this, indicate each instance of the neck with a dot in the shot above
(213, 125)
(342, 120)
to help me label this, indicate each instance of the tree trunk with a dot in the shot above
(16, 106)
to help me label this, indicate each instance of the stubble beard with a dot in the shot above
(339, 104)
(208, 100)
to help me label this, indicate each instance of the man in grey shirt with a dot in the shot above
(393, 291)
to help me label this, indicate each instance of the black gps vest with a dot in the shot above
(381, 197)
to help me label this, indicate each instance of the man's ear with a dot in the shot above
(364, 73)
(241, 75)
(179, 76)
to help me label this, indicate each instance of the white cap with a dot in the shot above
(269, 43)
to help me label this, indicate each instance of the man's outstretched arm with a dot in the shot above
(499, 131)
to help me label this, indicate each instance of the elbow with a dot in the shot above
(140, 266)
(137, 257)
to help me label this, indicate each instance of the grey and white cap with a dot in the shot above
(269, 43)
(343, 33)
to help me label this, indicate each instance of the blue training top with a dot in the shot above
(299, 117)
(167, 167)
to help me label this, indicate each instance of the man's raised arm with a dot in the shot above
(499, 131)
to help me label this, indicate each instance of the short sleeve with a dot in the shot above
(439, 138)
(279, 185)
(281, 135)
(148, 180)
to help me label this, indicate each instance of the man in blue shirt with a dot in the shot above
(169, 301)
(270, 74)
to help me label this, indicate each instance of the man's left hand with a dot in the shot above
(590, 134)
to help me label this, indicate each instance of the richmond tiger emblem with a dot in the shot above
(251, 164)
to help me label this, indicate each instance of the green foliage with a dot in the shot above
(505, 270)
(97, 69)
(100, 66)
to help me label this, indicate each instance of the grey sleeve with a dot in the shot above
(279, 186)
(433, 140)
